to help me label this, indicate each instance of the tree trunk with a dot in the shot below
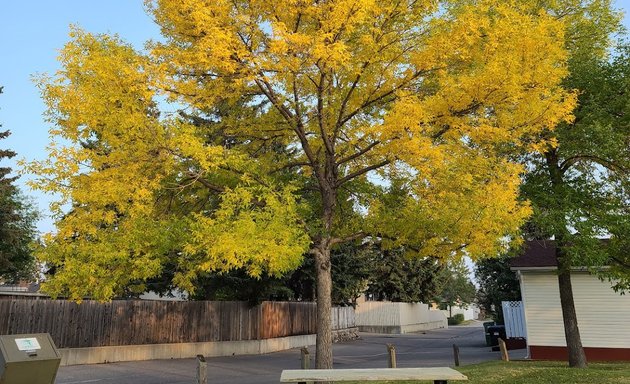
(323, 348)
(577, 357)
(327, 181)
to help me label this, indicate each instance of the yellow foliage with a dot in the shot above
(284, 107)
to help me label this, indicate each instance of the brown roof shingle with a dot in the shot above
(536, 253)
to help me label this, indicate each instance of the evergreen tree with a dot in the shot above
(397, 277)
(17, 230)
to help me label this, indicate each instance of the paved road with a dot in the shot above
(431, 348)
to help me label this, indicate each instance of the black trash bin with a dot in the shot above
(496, 332)
(486, 325)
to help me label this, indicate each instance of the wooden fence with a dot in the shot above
(134, 322)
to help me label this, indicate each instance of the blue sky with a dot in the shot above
(31, 33)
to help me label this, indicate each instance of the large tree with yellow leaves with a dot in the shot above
(257, 132)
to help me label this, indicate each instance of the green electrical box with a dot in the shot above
(28, 359)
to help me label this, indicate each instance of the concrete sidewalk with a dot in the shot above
(425, 349)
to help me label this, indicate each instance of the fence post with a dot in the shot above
(504, 352)
(202, 370)
(306, 362)
(391, 348)
(456, 354)
(306, 358)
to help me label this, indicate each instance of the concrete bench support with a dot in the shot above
(439, 375)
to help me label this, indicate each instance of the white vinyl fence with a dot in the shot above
(514, 315)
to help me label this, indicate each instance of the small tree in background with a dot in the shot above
(457, 289)
(497, 283)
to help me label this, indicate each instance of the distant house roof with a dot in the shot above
(540, 254)
(22, 287)
(536, 254)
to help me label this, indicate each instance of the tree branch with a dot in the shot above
(295, 123)
(344, 103)
(242, 173)
(359, 153)
(459, 113)
(354, 236)
(381, 97)
(292, 165)
(620, 262)
(361, 172)
(206, 183)
(610, 165)
(330, 150)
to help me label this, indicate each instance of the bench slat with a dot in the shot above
(373, 374)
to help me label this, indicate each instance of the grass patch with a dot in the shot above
(546, 372)
(538, 372)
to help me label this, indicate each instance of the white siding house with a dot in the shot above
(603, 315)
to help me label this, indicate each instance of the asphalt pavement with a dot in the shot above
(423, 349)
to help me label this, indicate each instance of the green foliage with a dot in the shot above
(17, 233)
(456, 319)
(578, 184)
(580, 188)
(352, 265)
(237, 285)
(609, 104)
(497, 283)
(388, 275)
(456, 288)
(396, 276)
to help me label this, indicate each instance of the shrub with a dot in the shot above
(457, 319)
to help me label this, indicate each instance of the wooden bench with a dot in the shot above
(439, 375)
